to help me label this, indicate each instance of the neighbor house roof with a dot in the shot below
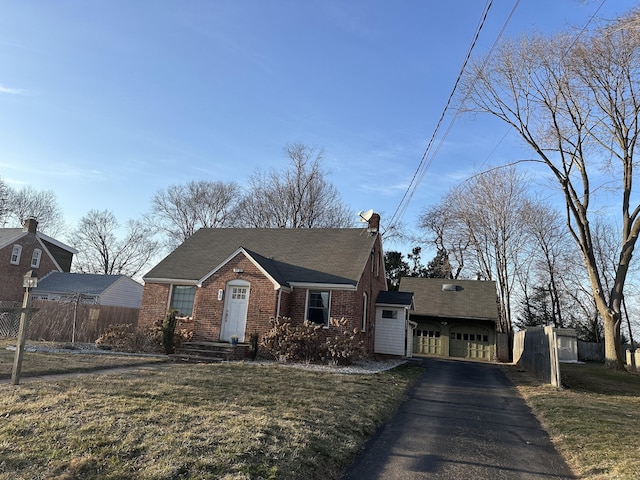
(10, 235)
(438, 297)
(85, 283)
(289, 256)
(404, 299)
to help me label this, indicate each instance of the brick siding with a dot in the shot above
(263, 300)
(11, 276)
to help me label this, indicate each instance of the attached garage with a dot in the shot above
(427, 339)
(454, 318)
(470, 341)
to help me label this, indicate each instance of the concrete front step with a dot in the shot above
(211, 351)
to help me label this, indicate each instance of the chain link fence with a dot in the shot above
(9, 320)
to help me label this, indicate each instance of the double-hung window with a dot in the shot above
(182, 299)
(318, 306)
(15, 254)
(35, 258)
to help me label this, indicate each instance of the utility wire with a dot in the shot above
(424, 165)
(401, 208)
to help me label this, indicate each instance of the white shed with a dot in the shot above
(393, 329)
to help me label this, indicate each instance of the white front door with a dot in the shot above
(235, 312)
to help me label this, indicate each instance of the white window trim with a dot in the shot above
(35, 258)
(193, 307)
(306, 306)
(16, 251)
(365, 309)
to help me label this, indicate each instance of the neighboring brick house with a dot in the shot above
(230, 281)
(24, 249)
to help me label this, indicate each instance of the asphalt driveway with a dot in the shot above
(462, 420)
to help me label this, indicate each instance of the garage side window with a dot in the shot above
(390, 314)
(182, 299)
(318, 306)
(15, 254)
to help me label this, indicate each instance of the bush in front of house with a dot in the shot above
(343, 346)
(168, 332)
(310, 342)
(126, 338)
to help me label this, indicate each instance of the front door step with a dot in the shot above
(210, 352)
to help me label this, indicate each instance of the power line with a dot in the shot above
(423, 165)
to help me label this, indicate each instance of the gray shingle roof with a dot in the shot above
(8, 234)
(87, 283)
(314, 255)
(469, 299)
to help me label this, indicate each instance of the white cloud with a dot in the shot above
(11, 91)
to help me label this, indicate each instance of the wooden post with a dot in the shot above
(22, 335)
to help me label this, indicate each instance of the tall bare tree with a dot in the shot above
(440, 222)
(40, 204)
(298, 197)
(4, 193)
(102, 250)
(487, 214)
(574, 100)
(180, 210)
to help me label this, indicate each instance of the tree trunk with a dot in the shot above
(612, 348)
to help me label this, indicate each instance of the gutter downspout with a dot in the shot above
(278, 304)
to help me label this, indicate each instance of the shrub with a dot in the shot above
(254, 343)
(125, 338)
(168, 332)
(310, 342)
(344, 347)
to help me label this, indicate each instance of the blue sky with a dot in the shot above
(106, 102)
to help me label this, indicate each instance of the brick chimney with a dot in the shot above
(30, 225)
(374, 223)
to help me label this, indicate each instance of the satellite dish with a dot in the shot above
(365, 216)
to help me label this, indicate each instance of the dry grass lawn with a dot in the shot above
(181, 421)
(40, 363)
(594, 420)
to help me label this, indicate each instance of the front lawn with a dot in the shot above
(593, 420)
(185, 421)
(41, 363)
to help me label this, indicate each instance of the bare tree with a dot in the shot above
(39, 204)
(180, 210)
(440, 223)
(298, 197)
(4, 193)
(487, 214)
(550, 244)
(574, 100)
(101, 251)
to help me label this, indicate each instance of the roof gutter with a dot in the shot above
(326, 286)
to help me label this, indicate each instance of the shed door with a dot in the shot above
(234, 318)
(470, 342)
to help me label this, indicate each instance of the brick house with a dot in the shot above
(24, 249)
(231, 281)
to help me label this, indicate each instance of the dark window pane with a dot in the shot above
(182, 299)
(318, 307)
